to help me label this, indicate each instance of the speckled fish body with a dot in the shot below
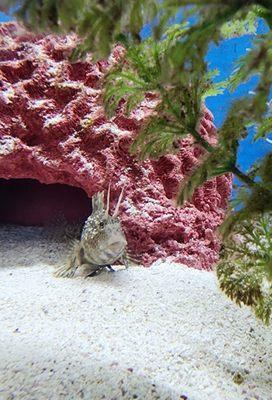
(102, 239)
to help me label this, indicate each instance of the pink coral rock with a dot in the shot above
(53, 129)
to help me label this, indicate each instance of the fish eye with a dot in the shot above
(102, 224)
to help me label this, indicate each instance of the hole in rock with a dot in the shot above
(29, 202)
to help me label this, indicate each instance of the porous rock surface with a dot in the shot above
(53, 128)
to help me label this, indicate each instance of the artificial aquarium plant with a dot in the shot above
(172, 64)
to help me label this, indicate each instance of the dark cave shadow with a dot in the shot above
(29, 202)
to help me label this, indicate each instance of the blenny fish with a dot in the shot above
(102, 241)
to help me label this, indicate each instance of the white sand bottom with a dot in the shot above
(161, 333)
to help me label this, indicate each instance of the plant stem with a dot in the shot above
(200, 140)
(243, 177)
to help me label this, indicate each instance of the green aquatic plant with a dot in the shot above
(245, 269)
(172, 65)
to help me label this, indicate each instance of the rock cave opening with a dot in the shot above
(31, 203)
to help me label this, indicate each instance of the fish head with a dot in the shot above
(102, 238)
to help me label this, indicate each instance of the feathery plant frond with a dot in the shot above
(264, 128)
(149, 67)
(102, 23)
(246, 25)
(99, 23)
(245, 269)
(220, 159)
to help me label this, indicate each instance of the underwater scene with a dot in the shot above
(135, 200)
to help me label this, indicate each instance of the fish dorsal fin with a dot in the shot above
(108, 200)
(98, 202)
(116, 211)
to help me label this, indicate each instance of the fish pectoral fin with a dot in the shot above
(67, 270)
(71, 264)
(128, 259)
